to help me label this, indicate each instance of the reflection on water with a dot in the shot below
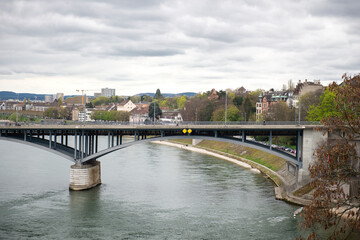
(149, 191)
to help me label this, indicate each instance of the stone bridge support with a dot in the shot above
(85, 176)
(310, 140)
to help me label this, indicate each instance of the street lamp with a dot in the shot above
(225, 106)
(154, 112)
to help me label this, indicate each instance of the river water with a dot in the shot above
(149, 191)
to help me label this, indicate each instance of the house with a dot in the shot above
(81, 115)
(2, 106)
(126, 106)
(171, 117)
(139, 115)
(267, 98)
(303, 88)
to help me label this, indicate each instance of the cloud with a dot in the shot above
(177, 45)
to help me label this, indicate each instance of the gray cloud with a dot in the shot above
(168, 42)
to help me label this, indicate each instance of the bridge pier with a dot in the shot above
(308, 145)
(85, 176)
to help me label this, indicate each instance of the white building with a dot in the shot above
(126, 106)
(107, 92)
(60, 96)
(49, 98)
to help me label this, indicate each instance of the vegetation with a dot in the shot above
(57, 113)
(325, 109)
(158, 111)
(111, 116)
(105, 100)
(337, 165)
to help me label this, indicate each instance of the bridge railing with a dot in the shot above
(228, 123)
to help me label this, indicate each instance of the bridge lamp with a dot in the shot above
(225, 106)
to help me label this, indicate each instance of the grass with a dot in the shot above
(273, 162)
(303, 190)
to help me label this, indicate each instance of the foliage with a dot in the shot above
(158, 95)
(233, 114)
(158, 111)
(146, 98)
(238, 100)
(337, 165)
(57, 113)
(181, 101)
(105, 100)
(279, 112)
(249, 107)
(308, 101)
(111, 116)
(325, 109)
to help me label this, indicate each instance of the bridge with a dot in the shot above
(83, 148)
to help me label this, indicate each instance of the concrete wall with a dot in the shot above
(309, 143)
(196, 141)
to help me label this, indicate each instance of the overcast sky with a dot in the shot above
(140, 45)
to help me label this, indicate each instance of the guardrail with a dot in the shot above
(229, 123)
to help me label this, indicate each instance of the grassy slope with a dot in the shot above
(268, 160)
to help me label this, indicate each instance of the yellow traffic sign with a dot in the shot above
(189, 130)
(184, 130)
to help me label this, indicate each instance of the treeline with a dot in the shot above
(111, 116)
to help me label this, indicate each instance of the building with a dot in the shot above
(97, 95)
(83, 115)
(107, 92)
(171, 117)
(49, 98)
(267, 98)
(126, 106)
(303, 88)
(139, 115)
(60, 96)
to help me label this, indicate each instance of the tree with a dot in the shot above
(232, 114)
(308, 101)
(158, 111)
(325, 109)
(280, 111)
(337, 164)
(249, 107)
(181, 101)
(158, 94)
(238, 101)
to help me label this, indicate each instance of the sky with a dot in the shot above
(137, 46)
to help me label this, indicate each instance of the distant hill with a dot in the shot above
(188, 94)
(5, 95)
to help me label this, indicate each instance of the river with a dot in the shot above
(149, 191)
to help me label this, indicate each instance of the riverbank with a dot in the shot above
(280, 180)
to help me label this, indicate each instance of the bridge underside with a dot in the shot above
(85, 142)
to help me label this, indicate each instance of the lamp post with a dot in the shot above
(154, 112)
(299, 110)
(225, 107)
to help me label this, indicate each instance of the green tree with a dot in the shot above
(233, 114)
(325, 109)
(158, 94)
(249, 107)
(308, 101)
(158, 111)
(52, 113)
(238, 100)
(181, 101)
